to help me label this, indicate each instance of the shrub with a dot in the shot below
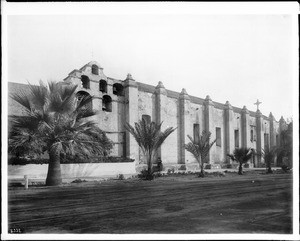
(171, 171)
(120, 177)
(156, 168)
(78, 181)
(182, 168)
(246, 165)
(145, 175)
(158, 174)
(217, 174)
(285, 168)
(229, 165)
(208, 166)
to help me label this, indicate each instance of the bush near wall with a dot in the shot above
(68, 160)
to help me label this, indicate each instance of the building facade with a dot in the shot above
(120, 101)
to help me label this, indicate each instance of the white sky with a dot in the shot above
(240, 58)
(233, 54)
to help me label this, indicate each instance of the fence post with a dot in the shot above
(26, 181)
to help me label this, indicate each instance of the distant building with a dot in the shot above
(120, 101)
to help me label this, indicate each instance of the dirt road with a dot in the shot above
(237, 204)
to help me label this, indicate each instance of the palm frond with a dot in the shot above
(55, 124)
(26, 122)
(84, 113)
(22, 99)
(55, 103)
(231, 157)
(84, 102)
(242, 155)
(39, 95)
(200, 146)
(68, 91)
(148, 136)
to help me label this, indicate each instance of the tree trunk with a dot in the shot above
(241, 169)
(202, 170)
(149, 162)
(54, 171)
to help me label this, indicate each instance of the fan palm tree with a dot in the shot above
(149, 137)
(55, 122)
(200, 147)
(241, 155)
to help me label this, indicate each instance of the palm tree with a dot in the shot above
(55, 122)
(241, 155)
(286, 145)
(269, 154)
(200, 147)
(149, 137)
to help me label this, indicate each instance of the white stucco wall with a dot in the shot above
(73, 170)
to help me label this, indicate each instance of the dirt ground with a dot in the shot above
(251, 203)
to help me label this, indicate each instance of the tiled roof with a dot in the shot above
(15, 108)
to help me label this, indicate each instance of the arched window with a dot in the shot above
(95, 69)
(106, 103)
(82, 94)
(118, 89)
(85, 81)
(103, 86)
(147, 118)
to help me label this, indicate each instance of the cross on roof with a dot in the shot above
(257, 103)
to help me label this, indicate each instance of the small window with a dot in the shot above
(118, 89)
(147, 118)
(251, 135)
(95, 69)
(103, 86)
(236, 139)
(106, 103)
(266, 140)
(196, 133)
(218, 136)
(85, 81)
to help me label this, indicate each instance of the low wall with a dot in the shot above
(73, 170)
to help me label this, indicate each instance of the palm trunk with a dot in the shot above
(202, 171)
(269, 169)
(54, 170)
(149, 163)
(241, 169)
(201, 168)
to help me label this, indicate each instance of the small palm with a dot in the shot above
(149, 137)
(241, 155)
(200, 147)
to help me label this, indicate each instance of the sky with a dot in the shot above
(235, 57)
